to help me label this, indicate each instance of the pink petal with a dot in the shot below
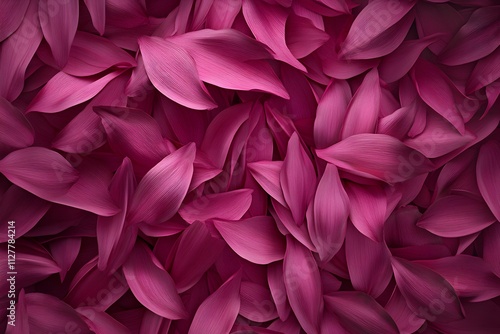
(162, 190)
(97, 10)
(101, 322)
(298, 179)
(302, 36)
(491, 247)
(287, 225)
(488, 178)
(197, 251)
(178, 78)
(376, 156)
(403, 316)
(64, 251)
(486, 71)
(399, 123)
(331, 210)
(12, 16)
(266, 245)
(278, 290)
(267, 174)
(222, 14)
(303, 284)
(151, 284)
(368, 262)
(230, 205)
(360, 313)
(456, 216)
(363, 110)
(59, 23)
(340, 68)
(218, 312)
(40, 171)
(426, 291)
(256, 304)
(15, 130)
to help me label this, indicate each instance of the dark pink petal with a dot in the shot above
(340, 68)
(267, 23)
(456, 216)
(480, 318)
(64, 91)
(151, 284)
(278, 291)
(376, 156)
(360, 313)
(197, 251)
(491, 247)
(363, 110)
(218, 312)
(91, 54)
(266, 245)
(222, 14)
(59, 23)
(331, 112)
(97, 10)
(230, 205)
(297, 179)
(15, 130)
(302, 36)
(303, 284)
(178, 78)
(368, 262)
(403, 316)
(399, 123)
(256, 302)
(101, 322)
(470, 276)
(426, 291)
(162, 190)
(486, 71)
(476, 39)
(11, 17)
(378, 29)
(64, 251)
(287, 225)
(331, 210)
(487, 175)
(267, 174)
(40, 171)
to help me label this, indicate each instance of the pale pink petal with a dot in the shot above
(266, 245)
(97, 10)
(151, 284)
(267, 174)
(488, 176)
(162, 190)
(256, 302)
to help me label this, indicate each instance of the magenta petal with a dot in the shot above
(101, 322)
(151, 284)
(11, 17)
(278, 290)
(488, 178)
(15, 129)
(256, 304)
(403, 316)
(97, 10)
(162, 190)
(267, 174)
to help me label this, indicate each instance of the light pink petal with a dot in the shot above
(64, 251)
(470, 276)
(18, 50)
(59, 23)
(303, 285)
(230, 205)
(218, 312)
(456, 216)
(256, 302)
(488, 176)
(267, 23)
(134, 134)
(178, 78)
(101, 322)
(64, 91)
(197, 251)
(40, 171)
(229, 59)
(476, 39)
(368, 262)
(302, 36)
(266, 245)
(11, 17)
(267, 174)
(360, 313)
(91, 54)
(15, 130)
(331, 210)
(378, 30)
(403, 316)
(363, 110)
(278, 290)
(151, 284)
(297, 179)
(491, 247)
(222, 14)
(97, 10)
(486, 71)
(162, 190)
(425, 290)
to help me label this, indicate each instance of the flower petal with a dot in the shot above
(488, 178)
(97, 10)
(267, 174)
(12, 16)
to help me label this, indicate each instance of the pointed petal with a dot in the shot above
(491, 247)
(266, 245)
(64, 251)
(278, 291)
(11, 17)
(152, 285)
(15, 130)
(101, 322)
(302, 36)
(162, 190)
(222, 14)
(97, 10)
(486, 71)
(481, 318)
(256, 304)
(407, 321)
(399, 123)
(267, 174)
(287, 225)
(488, 178)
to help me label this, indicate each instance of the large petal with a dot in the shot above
(487, 175)
(176, 78)
(266, 245)
(162, 190)
(151, 284)
(376, 156)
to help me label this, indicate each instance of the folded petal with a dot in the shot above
(456, 216)
(360, 313)
(267, 175)
(488, 178)
(15, 130)
(152, 285)
(162, 190)
(376, 156)
(266, 245)
(97, 10)
(303, 285)
(231, 205)
(178, 78)
(218, 312)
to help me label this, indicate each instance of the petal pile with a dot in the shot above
(250, 166)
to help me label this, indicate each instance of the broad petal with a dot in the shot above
(488, 178)
(491, 247)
